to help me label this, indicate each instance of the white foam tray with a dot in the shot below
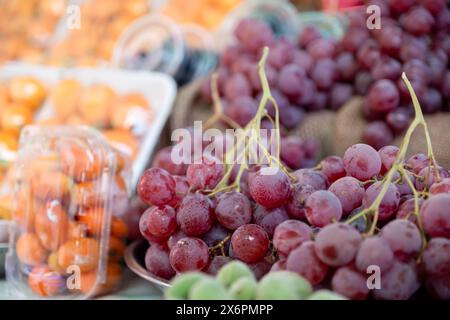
(158, 88)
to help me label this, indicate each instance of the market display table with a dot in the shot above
(132, 287)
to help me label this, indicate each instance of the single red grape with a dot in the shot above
(436, 216)
(269, 219)
(189, 254)
(270, 187)
(362, 162)
(350, 283)
(249, 243)
(289, 235)
(374, 251)
(156, 187)
(205, 175)
(388, 155)
(403, 237)
(159, 222)
(389, 204)
(436, 257)
(195, 215)
(350, 193)
(295, 206)
(233, 210)
(157, 262)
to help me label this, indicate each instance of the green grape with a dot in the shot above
(208, 289)
(233, 271)
(325, 295)
(283, 285)
(182, 284)
(243, 289)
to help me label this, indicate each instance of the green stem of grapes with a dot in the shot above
(251, 133)
(398, 166)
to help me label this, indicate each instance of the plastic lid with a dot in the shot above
(152, 42)
(66, 179)
(282, 16)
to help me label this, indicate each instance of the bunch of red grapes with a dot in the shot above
(414, 38)
(296, 222)
(318, 73)
(303, 75)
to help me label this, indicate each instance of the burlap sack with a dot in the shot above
(336, 131)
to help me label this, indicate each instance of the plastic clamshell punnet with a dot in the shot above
(65, 186)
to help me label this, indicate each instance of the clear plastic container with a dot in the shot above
(67, 239)
(155, 42)
(281, 16)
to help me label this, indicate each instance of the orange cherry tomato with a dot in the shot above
(51, 185)
(81, 163)
(83, 252)
(27, 91)
(95, 104)
(30, 250)
(8, 145)
(123, 141)
(51, 225)
(15, 117)
(90, 281)
(65, 96)
(46, 282)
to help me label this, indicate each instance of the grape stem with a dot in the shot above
(220, 245)
(250, 134)
(399, 166)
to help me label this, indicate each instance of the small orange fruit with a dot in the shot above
(83, 252)
(46, 282)
(90, 281)
(4, 96)
(80, 162)
(30, 250)
(95, 104)
(8, 145)
(123, 141)
(27, 91)
(24, 210)
(51, 225)
(92, 219)
(64, 97)
(52, 262)
(119, 228)
(88, 194)
(15, 117)
(50, 185)
(132, 112)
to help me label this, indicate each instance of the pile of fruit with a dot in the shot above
(237, 281)
(102, 23)
(329, 224)
(27, 36)
(61, 214)
(20, 99)
(316, 73)
(123, 119)
(414, 38)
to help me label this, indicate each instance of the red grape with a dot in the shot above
(181, 190)
(399, 283)
(333, 168)
(374, 251)
(337, 244)
(383, 96)
(315, 179)
(340, 94)
(290, 80)
(347, 66)
(260, 268)
(324, 73)
(362, 162)
(305, 262)
(157, 262)
(322, 208)
(398, 120)
(269, 219)
(368, 53)
(216, 264)
(354, 38)
(436, 216)
(156, 187)
(386, 68)
(442, 186)
(427, 176)
(390, 39)
(295, 206)
(289, 235)
(389, 203)
(418, 21)
(195, 215)
(253, 34)
(350, 283)
(215, 235)
(403, 237)
(406, 210)
(189, 254)
(388, 155)
(439, 287)
(205, 175)
(417, 162)
(233, 210)
(401, 6)
(158, 222)
(291, 116)
(378, 134)
(163, 160)
(173, 239)
(303, 60)
(237, 85)
(270, 187)
(363, 81)
(292, 152)
(321, 48)
(349, 192)
(308, 34)
(436, 257)
(249, 243)
(242, 110)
